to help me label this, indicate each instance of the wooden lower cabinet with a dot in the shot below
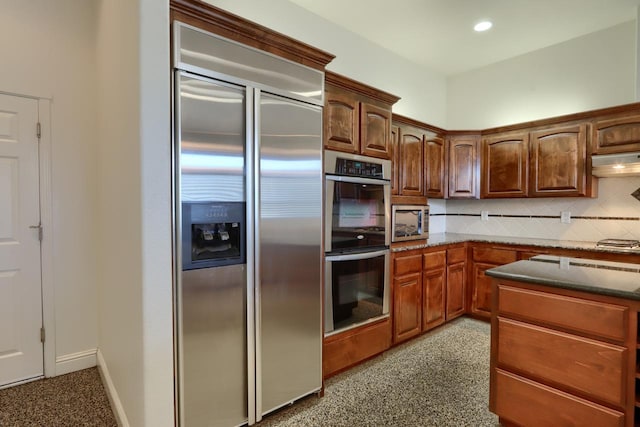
(456, 289)
(562, 357)
(434, 289)
(407, 306)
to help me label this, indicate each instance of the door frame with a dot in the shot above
(46, 220)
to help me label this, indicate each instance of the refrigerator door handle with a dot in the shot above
(255, 178)
(251, 255)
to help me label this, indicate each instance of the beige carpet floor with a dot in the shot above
(72, 400)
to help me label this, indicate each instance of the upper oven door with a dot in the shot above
(357, 213)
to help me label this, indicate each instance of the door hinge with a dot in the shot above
(38, 131)
(42, 334)
(39, 227)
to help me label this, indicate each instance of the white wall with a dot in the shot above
(423, 91)
(136, 336)
(586, 73)
(48, 51)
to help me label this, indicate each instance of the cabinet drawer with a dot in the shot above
(570, 362)
(494, 256)
(528, 403)
(433, 260)
(407, 264)
(599, 319)
(456, 255)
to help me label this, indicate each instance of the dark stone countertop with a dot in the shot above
(438, 239)
(615, 279)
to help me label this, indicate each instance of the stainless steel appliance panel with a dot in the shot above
(204, 52)
(214, 357)
(212, 140)
(289, 251)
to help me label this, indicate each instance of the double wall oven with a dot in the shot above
(357, 237)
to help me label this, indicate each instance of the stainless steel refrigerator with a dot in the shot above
(248, 230)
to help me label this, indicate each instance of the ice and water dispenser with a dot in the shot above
(213, 234)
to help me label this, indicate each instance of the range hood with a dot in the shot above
(610, 165)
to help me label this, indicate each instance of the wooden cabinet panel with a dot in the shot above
(405, 264)
(434, 260)
(481, 292)
(407, 312)
(528, 403)
(341, 123)
(505, 159)
(395, 159)
(567, 361)
(435, 167)
(616, 135)
(463, 168)
(375, 130)
(494, 255)
(351, 347)
(433, 298)
(558, 161)
(608, 321)
(456, 255)
(456, 289)
(411, 162)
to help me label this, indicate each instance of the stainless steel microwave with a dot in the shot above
(409, 222)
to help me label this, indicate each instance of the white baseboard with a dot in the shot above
(75, 361)
(112, 394)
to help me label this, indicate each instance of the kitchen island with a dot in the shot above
(564, 342)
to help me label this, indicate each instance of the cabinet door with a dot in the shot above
(616, 135)
(411, 161)
(433, 298)
(456, 286)
(375, 129)
(407, 306)
(395, 159)
(463, 169)
(558, 161)
(505, 160)
(435, 167)
(341, 123)
(481, 290)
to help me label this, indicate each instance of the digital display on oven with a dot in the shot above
(358, 168)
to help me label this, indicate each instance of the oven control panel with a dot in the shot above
(358, 168)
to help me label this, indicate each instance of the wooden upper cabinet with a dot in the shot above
(558, 161)
(375, 128)
(357, 117)
(616, 135)
(395, 155)
(505, 160)
(411, 161)
(341, 123)
(463, 166)
(435, 166)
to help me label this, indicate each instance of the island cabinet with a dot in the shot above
(505, 165)
(463, 166)
(357, 117)
(429, 289)
(562, 357)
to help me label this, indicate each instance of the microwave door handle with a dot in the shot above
(358, 256)
(358, 180)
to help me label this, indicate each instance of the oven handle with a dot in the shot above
(358, 180)
(358, 256)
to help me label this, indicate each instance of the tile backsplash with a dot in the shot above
(615, 213)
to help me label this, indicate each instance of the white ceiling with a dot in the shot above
(438, 34)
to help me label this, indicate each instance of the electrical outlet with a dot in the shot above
(484, 215)
(565, 217)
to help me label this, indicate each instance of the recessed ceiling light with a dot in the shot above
(483, 26)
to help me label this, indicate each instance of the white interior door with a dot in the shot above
(21, 350)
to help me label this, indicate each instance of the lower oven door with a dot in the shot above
(356, 289)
